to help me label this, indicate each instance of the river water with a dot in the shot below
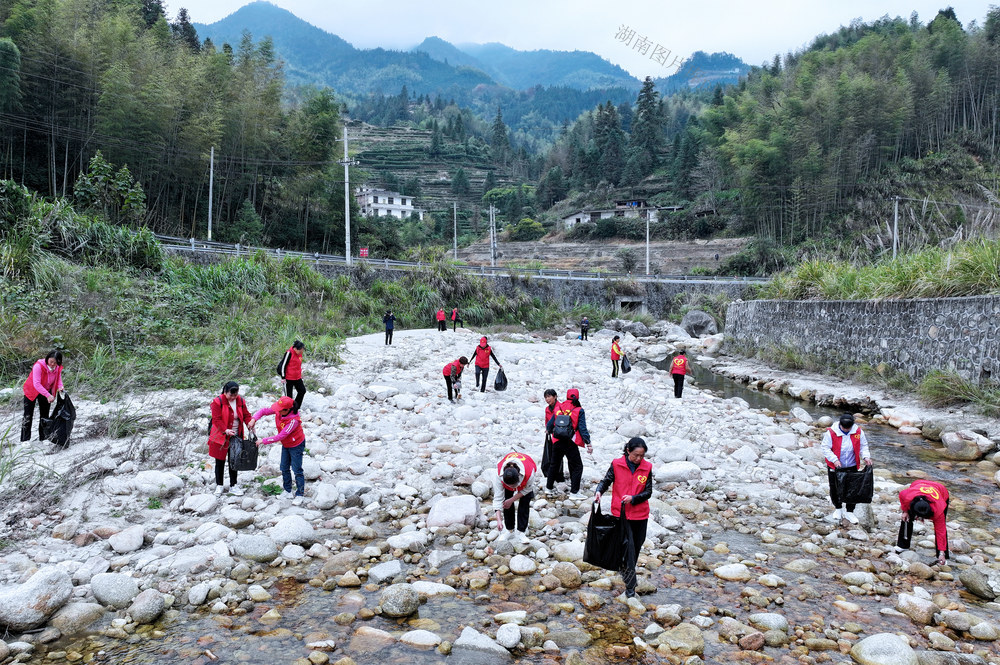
(309, 614)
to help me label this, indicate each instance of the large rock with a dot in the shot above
(571, 550)
(636, 328)
(292, 529)
(29, 605)
(200, 503)
(508, 635)
(255, 547)
(676, 472)
(684, 640)
(966, 445)
(522, 565)
(114, 589)
(147, 606)
(474, 648)
(982, 581)
(918, 609)
(156, 484)
(884, 649)
(698, 324)
(325, 495)
(451, 510)
(386, 571)
(412, 541)
(74, 618)
(733, 572)
(400, 600)
(567, 574)
(128, 540)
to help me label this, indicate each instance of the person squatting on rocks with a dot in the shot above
(229, 415)
(456, 320)
(925, 499)
(482, 354)
(616, 355)
(290, 371)
(390, 322)
(548, 468)
(293, 444)
(850, 458)
(678, 370)
(453, 376)
(630, 478)
(442, 326)
(569, 433)
(584, 328)
(41, 386)
(515, 483)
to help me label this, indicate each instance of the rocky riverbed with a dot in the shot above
(121, 553)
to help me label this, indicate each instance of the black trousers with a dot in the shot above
(678, 384)
(638, 529)
(388, 336)
(451, 392)
(442, 326)
(219, 465)
(485, 371)
(300, 391)
(614, 367)
(906, 533)
(831, 475)
(571, 452)
(29, 414)
(583, 333)
(455, 323)
(523, 506)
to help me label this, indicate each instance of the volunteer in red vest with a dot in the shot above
(293, 445)
(616, 355)
(551, 403)
(442, 326)
(482, 355)
(925, 499)
(678, 370)
(566, 442)
(452, 377)
(290, 371)
(229, 415)
(845, 447)
(456, 320)
(515, 483)
(41, 386)
(630, 478)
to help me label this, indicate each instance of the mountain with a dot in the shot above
(318, 57)
(448, 53)
(703, 69)
(520, 70)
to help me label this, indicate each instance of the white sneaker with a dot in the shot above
(549, 493)
(218, 490)
(236, 490)
(836, 515)
(287, 495)
(297, 501)
(851, 517)
(521, 538)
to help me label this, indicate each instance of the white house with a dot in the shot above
(382, 202)
(635, 208)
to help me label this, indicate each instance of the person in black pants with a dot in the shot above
(290, 371)
(568, 446)
(584, 328)
(390, 322)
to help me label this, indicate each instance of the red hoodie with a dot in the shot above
(937, 494)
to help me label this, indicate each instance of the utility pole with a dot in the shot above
(454, 205)
(347, 200)
(493, 237)
(211, 178)
(895, 227)
(647, 245)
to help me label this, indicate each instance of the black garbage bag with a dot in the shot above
(558, 475)
(606, 545)
(626, 365)
(243, 453)
(905, 534)
(856, 486)
(500, 383)
(59, 427)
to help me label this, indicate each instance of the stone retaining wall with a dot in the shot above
(911, 336)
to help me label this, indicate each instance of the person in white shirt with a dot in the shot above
(845, 448)
(514, 483)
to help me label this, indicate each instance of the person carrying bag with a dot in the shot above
(243, 453)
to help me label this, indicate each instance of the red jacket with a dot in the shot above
(42, 381)
(616, 351)
(679, 365)
(629, 484)
(838, 440)
(440, 315)
(937, 494)
(289, 427)
(291, 365)
(223, 418)
(454, 314)
(456, 365)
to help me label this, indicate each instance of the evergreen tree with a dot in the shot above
(499, 139)
(152, 11)
(460, 183)
(646, 142)
(184, 32)
(10, 75)
(610, 143)
(436, 139)
(489, 183)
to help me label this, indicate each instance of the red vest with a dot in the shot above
(440, 315)
(679, 365)
(567, 409)
(297, 436)
(293, 370)
(616, 351)
(454, 314)
(629, 484)
(529, 469)
(838, 439)
(483, 355)
(458, 368)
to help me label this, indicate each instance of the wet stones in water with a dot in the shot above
(400, 600)
(884, 649)
(28, 605)
(982, 581)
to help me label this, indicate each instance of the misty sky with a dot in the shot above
(754, 31)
